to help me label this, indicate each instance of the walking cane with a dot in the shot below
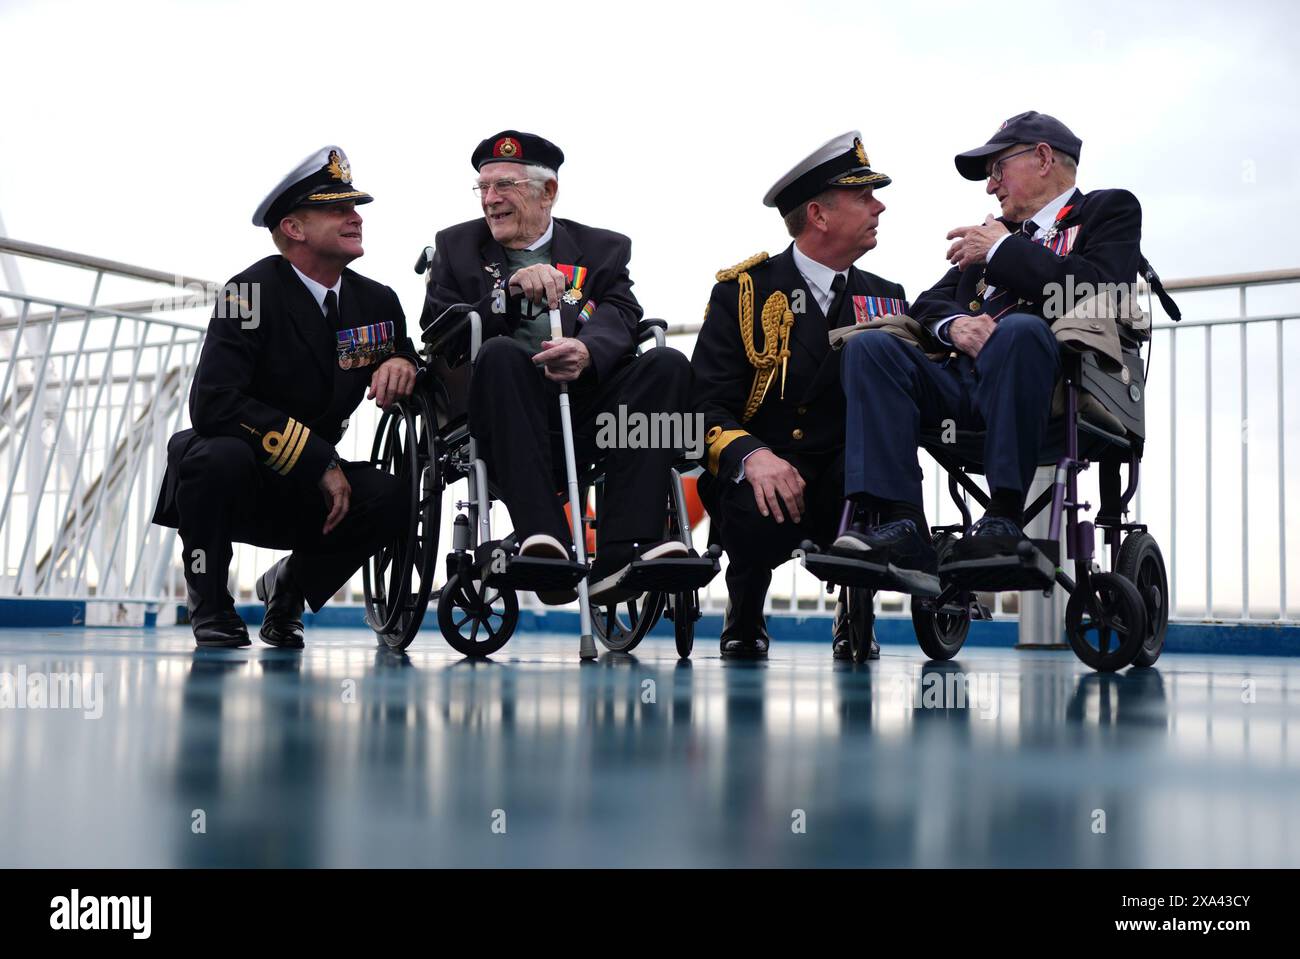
(586, 645)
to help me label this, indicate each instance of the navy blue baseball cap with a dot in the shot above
(1029, 127)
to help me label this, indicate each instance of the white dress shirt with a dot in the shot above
(818, 276)
(1042, 221)
(319, 290)
(545, 238)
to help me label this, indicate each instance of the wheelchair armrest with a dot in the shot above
(652, 329)
(448, 323)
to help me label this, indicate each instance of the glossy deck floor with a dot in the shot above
(347, 756)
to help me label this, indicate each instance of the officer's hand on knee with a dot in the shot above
(392, 380)
(970, 333)
(338, 494)
(774, 482)
(539, 283)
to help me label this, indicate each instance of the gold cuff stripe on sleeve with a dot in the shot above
(287, 439)
(718, 441)
(273, 442)
(302, 443)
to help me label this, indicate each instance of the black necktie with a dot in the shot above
(837, 300)
(332, 309)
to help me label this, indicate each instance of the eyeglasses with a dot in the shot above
(995, 171)
(503, 185)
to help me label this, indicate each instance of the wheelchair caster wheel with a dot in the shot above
(861, 615)
(940, 633)
(1105, 622)
(684, 614)
(476, 620)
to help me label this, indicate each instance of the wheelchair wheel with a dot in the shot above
(621, 628)
(1106, 622)
(398, 579)
(1140, 562)
(861, 614)
(475, 621)
(684, 612)
(940, 635)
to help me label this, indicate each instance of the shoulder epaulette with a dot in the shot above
(731, 272)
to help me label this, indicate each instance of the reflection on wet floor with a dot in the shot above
(343, 755)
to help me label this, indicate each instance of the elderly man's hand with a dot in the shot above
(564, 359)
(774, 481)
(970, 333)
(539, 283)
(392, 380)
(973, 242)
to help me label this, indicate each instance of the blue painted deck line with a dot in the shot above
(1234, 639)
(348, 755)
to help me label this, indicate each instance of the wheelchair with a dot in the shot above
(425, 442)
(1114, 618)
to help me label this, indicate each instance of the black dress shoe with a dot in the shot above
(220, 630)
(282, 624)
(752, 647)
(843, 650)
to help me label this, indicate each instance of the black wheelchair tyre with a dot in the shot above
(940, 635)
(476, 622)
(861, 615)
(684, 612)
(398, 579)
(1107, 606)
(620, 628)
(1140, 562)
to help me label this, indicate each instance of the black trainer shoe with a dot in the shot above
(612, 564)
(898, 543)
(545, 546)
(990, 536)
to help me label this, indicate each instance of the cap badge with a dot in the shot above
(506, 147)
(861, 153)
(338, 168)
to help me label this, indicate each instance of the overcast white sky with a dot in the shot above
(148, 132)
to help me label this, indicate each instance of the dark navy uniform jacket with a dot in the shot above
(469, 266)
(279, 385)
(810, 419)
(1104, 249)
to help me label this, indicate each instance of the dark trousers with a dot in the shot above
(757, 544)
(514, 415)
(224, 496)
(893, 391)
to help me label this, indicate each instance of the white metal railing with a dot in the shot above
(89, 394)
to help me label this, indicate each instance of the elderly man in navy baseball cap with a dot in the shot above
(991, 312)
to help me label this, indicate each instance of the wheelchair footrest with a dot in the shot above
(533, 573)
(1031, 569)
(860, 573)
(676, 574)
